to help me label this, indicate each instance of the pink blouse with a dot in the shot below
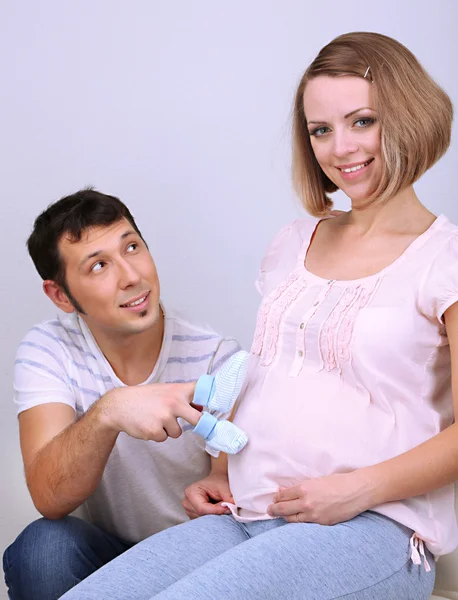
(346, 374)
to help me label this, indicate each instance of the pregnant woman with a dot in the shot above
(345, 489)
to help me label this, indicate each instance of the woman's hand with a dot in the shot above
(205, 496)
(324, 500)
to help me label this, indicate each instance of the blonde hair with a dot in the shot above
(414, 113)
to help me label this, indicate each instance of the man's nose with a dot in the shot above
(128, 274)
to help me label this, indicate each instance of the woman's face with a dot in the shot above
(345, 133)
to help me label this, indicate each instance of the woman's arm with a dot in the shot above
(205, 496)
(429, 466)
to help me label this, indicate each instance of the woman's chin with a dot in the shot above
(360, 196)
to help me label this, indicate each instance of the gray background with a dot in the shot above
(183, 110)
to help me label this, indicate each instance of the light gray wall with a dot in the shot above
(182, 109)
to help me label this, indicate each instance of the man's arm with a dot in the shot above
(64, 460)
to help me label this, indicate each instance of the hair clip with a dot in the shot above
(367, 71)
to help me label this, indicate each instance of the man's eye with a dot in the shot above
(97, 267)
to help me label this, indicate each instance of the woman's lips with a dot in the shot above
(354, 171)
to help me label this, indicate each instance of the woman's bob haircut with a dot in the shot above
(414, 113)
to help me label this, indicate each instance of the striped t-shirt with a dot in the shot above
(143, 483)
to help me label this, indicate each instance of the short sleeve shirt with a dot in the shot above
(346, 374)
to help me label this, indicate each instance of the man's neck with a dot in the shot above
(133, 357)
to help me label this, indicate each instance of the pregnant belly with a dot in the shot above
(295, 435)
(321, 427)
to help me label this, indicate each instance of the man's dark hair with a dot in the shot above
(71, 216)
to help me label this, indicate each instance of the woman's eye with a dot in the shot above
(365, 122)
(319, 131)
(97, 267)
(132, 247)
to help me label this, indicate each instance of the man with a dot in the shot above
(89, 432)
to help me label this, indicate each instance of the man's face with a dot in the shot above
(113, 278)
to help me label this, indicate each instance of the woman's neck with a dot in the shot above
(400, 212)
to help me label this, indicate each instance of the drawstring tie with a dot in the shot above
(417, 550)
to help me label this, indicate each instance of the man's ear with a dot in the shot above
(58, 296)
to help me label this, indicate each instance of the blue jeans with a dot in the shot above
(217, 558)
(50, 557)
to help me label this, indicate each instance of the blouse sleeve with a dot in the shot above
(282, 254)
(440, 289)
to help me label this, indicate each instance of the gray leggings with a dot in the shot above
(217, 558)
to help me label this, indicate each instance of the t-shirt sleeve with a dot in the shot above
(39, 373)
(440, 289)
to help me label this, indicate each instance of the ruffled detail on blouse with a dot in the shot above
(337, 331)
(270, 314)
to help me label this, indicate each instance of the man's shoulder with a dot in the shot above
(186, 328)
(49, 366)
(61, 334)
(197, 344)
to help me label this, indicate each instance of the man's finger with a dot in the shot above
(172, 428)
(188, 413)
(187, 391)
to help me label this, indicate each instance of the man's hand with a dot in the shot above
(324, 500)
(205, 496)
(64, 460)
(149, 412)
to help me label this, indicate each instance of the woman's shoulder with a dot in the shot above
(298, 230)
(448, 228)
(439, 257)
(444, 241)
(283, 251)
